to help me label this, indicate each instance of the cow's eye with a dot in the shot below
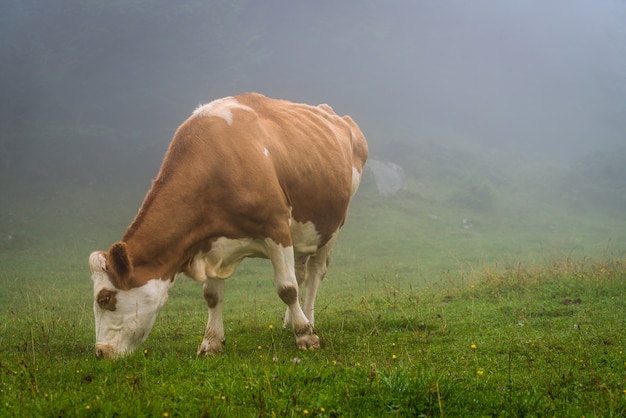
(106, 299)
(103, 302)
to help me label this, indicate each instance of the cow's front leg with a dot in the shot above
(300, 268)
(213, 290)
(287, 287)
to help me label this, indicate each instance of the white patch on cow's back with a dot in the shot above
(266, 152)
(221, 108)
(356, 179)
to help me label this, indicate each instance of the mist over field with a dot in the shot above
(503, 114)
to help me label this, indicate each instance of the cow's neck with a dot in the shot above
(158, 247)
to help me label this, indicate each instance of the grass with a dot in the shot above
(513, 342)
(520, 315)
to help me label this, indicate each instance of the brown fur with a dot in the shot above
(119, 266)
(288, 295)
(211, 298)
(216, 181)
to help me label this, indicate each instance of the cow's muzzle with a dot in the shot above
(105, 351)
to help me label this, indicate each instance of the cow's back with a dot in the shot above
(315, 155)
(267, 156)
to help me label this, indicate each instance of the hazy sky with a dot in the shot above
(545, 76)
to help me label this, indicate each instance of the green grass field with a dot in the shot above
(522, 314)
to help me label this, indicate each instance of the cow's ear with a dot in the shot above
(119, 264)
(97, 262)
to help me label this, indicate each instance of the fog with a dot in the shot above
(539, 76)
(95, 90)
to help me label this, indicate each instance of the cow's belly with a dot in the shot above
(305, 238)
(225, 254)
(223, 258)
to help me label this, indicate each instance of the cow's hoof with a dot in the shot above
(308, 342)
(210, 348)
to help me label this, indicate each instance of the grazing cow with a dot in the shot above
(244, 176)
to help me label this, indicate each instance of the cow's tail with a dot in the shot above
(359, 152)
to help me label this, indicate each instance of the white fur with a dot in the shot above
(221, 108)
(356, 180)
(283, 261)
(122, 330)
(304, 237)
(225, 255)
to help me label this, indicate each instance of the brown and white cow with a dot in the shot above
(244, 176)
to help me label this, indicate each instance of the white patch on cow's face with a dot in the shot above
(126, 323)
(266, 152)
(221, 108)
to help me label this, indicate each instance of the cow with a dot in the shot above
(244, 176)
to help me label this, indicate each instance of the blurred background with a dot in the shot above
(502, 116)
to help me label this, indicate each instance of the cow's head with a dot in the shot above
(124, 312)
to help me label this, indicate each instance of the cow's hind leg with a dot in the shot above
(315, 272)
(287, 287)
(213, 290)
(310, 275)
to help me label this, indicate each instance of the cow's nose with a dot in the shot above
(103, 351)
